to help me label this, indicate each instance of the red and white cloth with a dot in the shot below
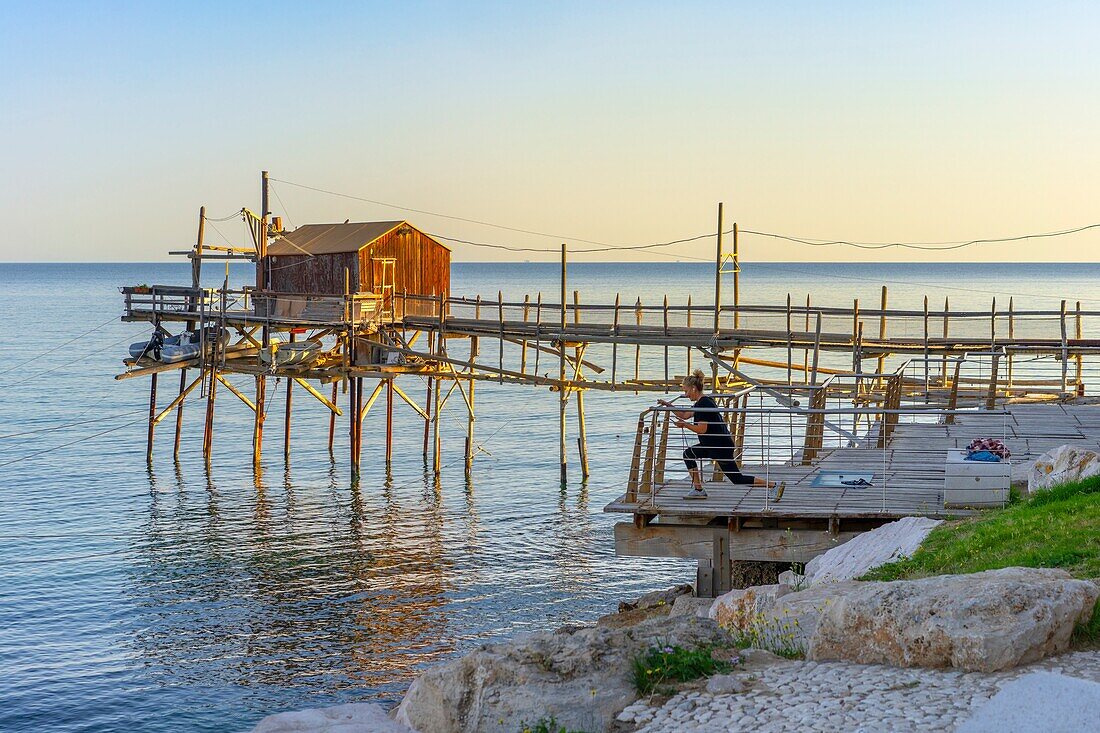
(994, 446)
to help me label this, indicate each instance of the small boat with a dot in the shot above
(169, 349)
(298, 352)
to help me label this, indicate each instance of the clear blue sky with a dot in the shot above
(615, 122)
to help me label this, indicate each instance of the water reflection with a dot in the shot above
(292, 586)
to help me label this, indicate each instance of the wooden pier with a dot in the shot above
(370, 303)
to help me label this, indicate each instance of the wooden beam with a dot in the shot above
(330, 404)
(240, 395)
(184, 391)
(748, 544)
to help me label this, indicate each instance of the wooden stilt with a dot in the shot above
(523, 344)
(946, 327)
(286, 415)
(332, 417)
(152, 417)
(666, 346)
(428, 400)
(1011, 335)
(615, 345)
(389, 420)
(563, 392)
(882, 330)
(637, 348)
(718, 275)
(689, 326)
(1079, 358)
(470, 429)
(208, 425)
(582, 437)
(258, 423)
(435, 430)
(179, 416)
(578, 352)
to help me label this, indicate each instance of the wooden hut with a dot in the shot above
(383, 258)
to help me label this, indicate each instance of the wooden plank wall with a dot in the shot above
(322, 274)
(423, 265)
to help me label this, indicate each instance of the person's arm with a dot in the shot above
(697, 429)
(682, 414)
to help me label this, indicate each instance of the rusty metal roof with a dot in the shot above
(324, 239)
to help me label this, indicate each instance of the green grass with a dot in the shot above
(663, 663)
(1058, 528)
(545, 725)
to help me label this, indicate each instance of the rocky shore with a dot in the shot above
(815, 652)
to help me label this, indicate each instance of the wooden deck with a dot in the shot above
(907, 476)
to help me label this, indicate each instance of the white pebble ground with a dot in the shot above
(838, 696)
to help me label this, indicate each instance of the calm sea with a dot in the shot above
(173, 598)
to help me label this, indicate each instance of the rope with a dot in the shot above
(60, 346)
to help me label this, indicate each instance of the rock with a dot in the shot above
(726, 684)
(651, 605)
(748, 573)
(581, 677)
(986, 622)
(738, 608)
(868, 550)
(1062, 464)
(657, 598)
(691, 606)
(1039, 702)
(355, 717)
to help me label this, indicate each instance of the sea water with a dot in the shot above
(172, 598)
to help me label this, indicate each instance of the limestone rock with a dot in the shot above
(1062, 464)
(691, 606)
(868, 550)
(985, 622)
(1039, 702)
(739, 607)
(651, 605)
(581, 677)
(351, 718)
(657, 598)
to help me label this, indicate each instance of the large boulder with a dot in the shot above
(885, 544)
(1062, 464)
(656, 604)
(986, 621)
(358, 717)
(774, 617)
(580, 676)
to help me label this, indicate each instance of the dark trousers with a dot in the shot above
(722, 455)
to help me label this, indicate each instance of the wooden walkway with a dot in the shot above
(907, 476)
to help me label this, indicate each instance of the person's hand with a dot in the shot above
(664, 403)
(682, 423)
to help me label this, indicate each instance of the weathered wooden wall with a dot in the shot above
(423, 266)
(322, 274)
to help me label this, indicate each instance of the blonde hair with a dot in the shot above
(695, 380)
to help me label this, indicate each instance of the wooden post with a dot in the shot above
(470, 429)
(615, 344)
(582, 433)
(435, 426)
(211, 391)
(637, 347)
(523, 343)
(993, 324)
(882, 332)
(332, 418)
(1011, 337)
(736, 280)
(790, 356)
(666, 344)
(689, 326)
(1065, 348)
(1079, 358)
(389, 420)
(258, 423)
(192, 305)
(500, 352)
(817, 348)
(286, 413)
(152, 417)
(718, 275)
(179, 417)
(927, 366)
(563, 393)
(428, 399)
(946, 310)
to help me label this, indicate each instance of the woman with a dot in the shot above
(715, 442)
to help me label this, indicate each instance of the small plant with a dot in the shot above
(668, 663)
(778, 635)
(545, 725)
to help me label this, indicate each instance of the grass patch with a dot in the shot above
(545, 725)
(663, 663)
(780, 635)
(1057, 528)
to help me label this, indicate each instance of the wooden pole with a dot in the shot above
(946, 316)
(196, 281)
(615, 345)
(470, 429)
(1078, 359)
(689, 326)
(882, 331)
(332, 418)
(179, 417)
(563, 392)
(500, 349)
(582, 433)
(286, 415)
(790, 355)
(428, 399)
(1011, 336)
(637, 347)
(718, 274)
(927, 366)
(736, 279)
(258, 423)
(152, 417)
(211, 391)
(666, 345)
(389, 420)
(523, 344)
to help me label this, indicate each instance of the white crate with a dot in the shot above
(975, 483)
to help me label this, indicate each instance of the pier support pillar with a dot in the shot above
(258, 423)
(582, 438)
(332, 417)
(470, 431)
(152, 417)
(179, 416)
(208, 425)
(389, 420)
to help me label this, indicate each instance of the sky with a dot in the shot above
(619, 123)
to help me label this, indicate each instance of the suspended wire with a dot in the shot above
(286, 212)
(60, 346)
(70, 443)
(609, 248)
(77, 422)
(234, 215)
(925, 246)
(70, 362)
